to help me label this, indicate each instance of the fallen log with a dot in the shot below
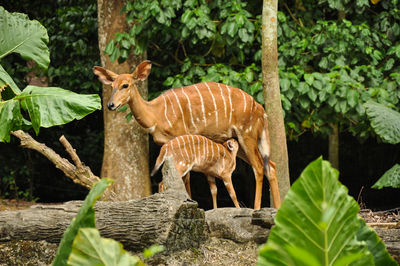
(169, 218)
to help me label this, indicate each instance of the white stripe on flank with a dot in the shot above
(190, 108)
(180, 108)
(190, 147)
(202, 105)
(198, 147)
(230, 103)
(184, 144)
(172, 106)
(179, 148)
(223, 99)
(194, 148)
(251, 109)
(244, 100)
(215, 104)
(165, 111)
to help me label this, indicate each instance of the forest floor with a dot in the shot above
(214, 251)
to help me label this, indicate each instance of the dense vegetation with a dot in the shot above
(333, 57)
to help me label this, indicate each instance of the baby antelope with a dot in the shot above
(200, 154)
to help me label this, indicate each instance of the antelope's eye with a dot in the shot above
(125, 86)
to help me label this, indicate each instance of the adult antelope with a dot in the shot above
(216, 111)
(200, 154)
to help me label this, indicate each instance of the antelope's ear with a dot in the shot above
(142, 71)
(105, 76)
(232, 145)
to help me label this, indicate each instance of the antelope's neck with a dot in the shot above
(141, 109)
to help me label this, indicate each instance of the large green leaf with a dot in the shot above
(385, 122)
(84, 218)
(89, 248)
(317, 223)
(10, 118)
(391, 178)
(50, 106)
(26, 37)
(375, 245)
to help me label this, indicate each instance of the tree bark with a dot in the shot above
(334, 146)
(272, 94)
(169, 218)
(126, 149)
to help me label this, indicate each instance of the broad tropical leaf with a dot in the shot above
(389, 179)
(317, 220)
(375, 245)
(84, 218)
(50, 106)
(26, 37)
(89, 248)
(10, 118)
(385, 122)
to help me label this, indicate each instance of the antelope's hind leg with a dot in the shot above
(213, 189)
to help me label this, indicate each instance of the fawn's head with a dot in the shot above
(122, 84)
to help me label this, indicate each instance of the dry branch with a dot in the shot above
(78, 173)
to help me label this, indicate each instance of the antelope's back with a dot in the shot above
(212, 109)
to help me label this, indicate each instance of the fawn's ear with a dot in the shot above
(232, 145)
(105, 76)
(142, 71)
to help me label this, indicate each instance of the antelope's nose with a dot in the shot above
(110, 106)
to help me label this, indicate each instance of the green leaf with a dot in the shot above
(5, 79)
(232, 28)
(391, 178)
(84, 218)
(375, 245)
(10, 118)
(352, 97)
(384, 121)
(285, 84)
(23, 36)
(110, 47)
(50, 106)
(90, 249)
(186, 16)
(319, 216)
(151, 251)
(309, 78)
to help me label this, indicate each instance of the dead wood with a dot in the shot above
(78, 173)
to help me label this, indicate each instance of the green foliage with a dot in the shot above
(91, 249)
(391, 178)
(317, 224)
(85, 218)
(46, 106)
(385, 122)
(25, 37)
(329, 67)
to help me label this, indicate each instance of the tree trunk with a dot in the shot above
(334, 146)
(272, 94)
(126, 148)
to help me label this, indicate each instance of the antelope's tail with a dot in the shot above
(264, 147)
(160, 160)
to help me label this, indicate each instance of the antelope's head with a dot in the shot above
(122, 84)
